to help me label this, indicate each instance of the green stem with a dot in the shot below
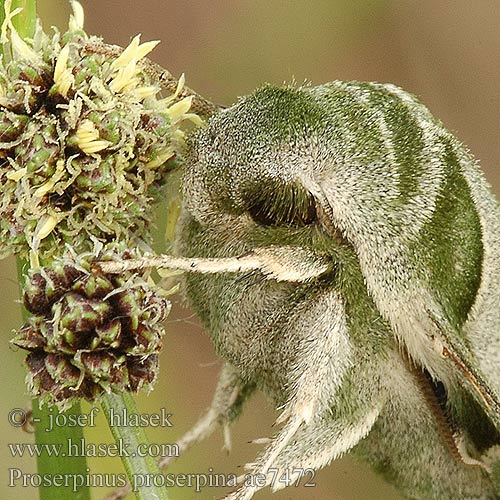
(133, 439)
(74, 468)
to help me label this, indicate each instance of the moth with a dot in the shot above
(343, 251)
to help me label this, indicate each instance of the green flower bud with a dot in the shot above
(11, 125)
(80, 314)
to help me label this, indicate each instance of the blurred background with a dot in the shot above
(445, 51)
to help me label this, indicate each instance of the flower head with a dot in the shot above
(90, 333)
(87, 140)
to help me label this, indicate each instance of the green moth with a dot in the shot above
(393, 352)
(345, 251)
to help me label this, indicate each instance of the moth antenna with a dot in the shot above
(285, 263)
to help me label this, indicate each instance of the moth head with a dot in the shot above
(309, 157)
(257, 163)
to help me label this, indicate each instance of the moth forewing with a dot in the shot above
(426, 229)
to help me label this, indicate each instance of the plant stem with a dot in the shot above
(74, 468)
(61, 436)
(133, 439)
(24, 23)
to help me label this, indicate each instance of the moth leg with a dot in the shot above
(266, 461)
(299, 449)
(230, 394)
(282, 263)
(317, 425)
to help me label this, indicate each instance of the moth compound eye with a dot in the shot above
(281, 205)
